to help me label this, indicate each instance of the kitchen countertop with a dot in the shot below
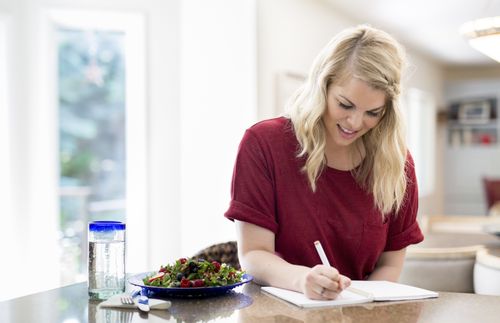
(247, 303)
(450, 239)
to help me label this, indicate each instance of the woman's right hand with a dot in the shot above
(323, 282)
(257, 255)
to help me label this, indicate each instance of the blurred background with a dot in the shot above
(133, 110)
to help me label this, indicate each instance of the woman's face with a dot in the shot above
(353, 108)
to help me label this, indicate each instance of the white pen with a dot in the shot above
(321, 253)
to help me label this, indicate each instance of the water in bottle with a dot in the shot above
(106, 259)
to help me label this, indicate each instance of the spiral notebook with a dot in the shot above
(360, 291)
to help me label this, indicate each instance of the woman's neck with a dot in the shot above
(344, 157)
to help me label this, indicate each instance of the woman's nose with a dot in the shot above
(355, 119)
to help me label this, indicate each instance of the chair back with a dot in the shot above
(225, 252)
(491, 191)
(440, 269)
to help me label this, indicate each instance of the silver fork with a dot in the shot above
(127, 300)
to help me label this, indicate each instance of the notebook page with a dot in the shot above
(389, 291)
(299, 299)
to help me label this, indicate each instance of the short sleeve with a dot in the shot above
(252, 187)
(403, 226)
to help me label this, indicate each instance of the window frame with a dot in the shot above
(133, 27)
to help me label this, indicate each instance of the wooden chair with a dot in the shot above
(225, 252)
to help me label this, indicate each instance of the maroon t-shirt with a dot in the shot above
(270, 190)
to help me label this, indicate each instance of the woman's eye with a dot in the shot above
(345, 106)
(373, 113)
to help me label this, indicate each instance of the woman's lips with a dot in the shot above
(345, 133)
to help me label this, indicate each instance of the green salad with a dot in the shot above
(190, 272)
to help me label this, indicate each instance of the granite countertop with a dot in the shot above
(247, 304)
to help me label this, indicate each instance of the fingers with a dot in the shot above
(344, 282)
(318, 292)
(326, 274)
(329, 283)
(329, 294)
(324, 282)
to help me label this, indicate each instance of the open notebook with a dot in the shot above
(360, 291)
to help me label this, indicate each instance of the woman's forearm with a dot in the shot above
(389, 266)
(390, 273)
(269, 269)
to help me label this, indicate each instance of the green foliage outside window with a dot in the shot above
(92, 112)
(91, 97)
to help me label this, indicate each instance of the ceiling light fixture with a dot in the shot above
(484, 35)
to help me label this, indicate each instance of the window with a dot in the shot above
(91, 97)
(100, 102)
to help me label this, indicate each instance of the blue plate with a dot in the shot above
(190, 292)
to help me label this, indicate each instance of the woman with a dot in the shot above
(335, 169)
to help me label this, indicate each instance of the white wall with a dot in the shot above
(218, 102)
(419, 110)
(427, 75)
(7, 236)
(164, 130)
(290, 34)
(32, 154)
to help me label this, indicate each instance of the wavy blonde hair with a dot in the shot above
(375, 57)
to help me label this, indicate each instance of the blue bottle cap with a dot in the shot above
(101, 226)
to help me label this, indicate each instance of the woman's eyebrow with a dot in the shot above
(350, 102)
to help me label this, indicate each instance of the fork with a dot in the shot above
(129, 299)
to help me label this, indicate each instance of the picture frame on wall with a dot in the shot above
(474, 112)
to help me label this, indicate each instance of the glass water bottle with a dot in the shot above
(106, 259)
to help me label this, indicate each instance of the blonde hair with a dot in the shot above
(375, 57)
